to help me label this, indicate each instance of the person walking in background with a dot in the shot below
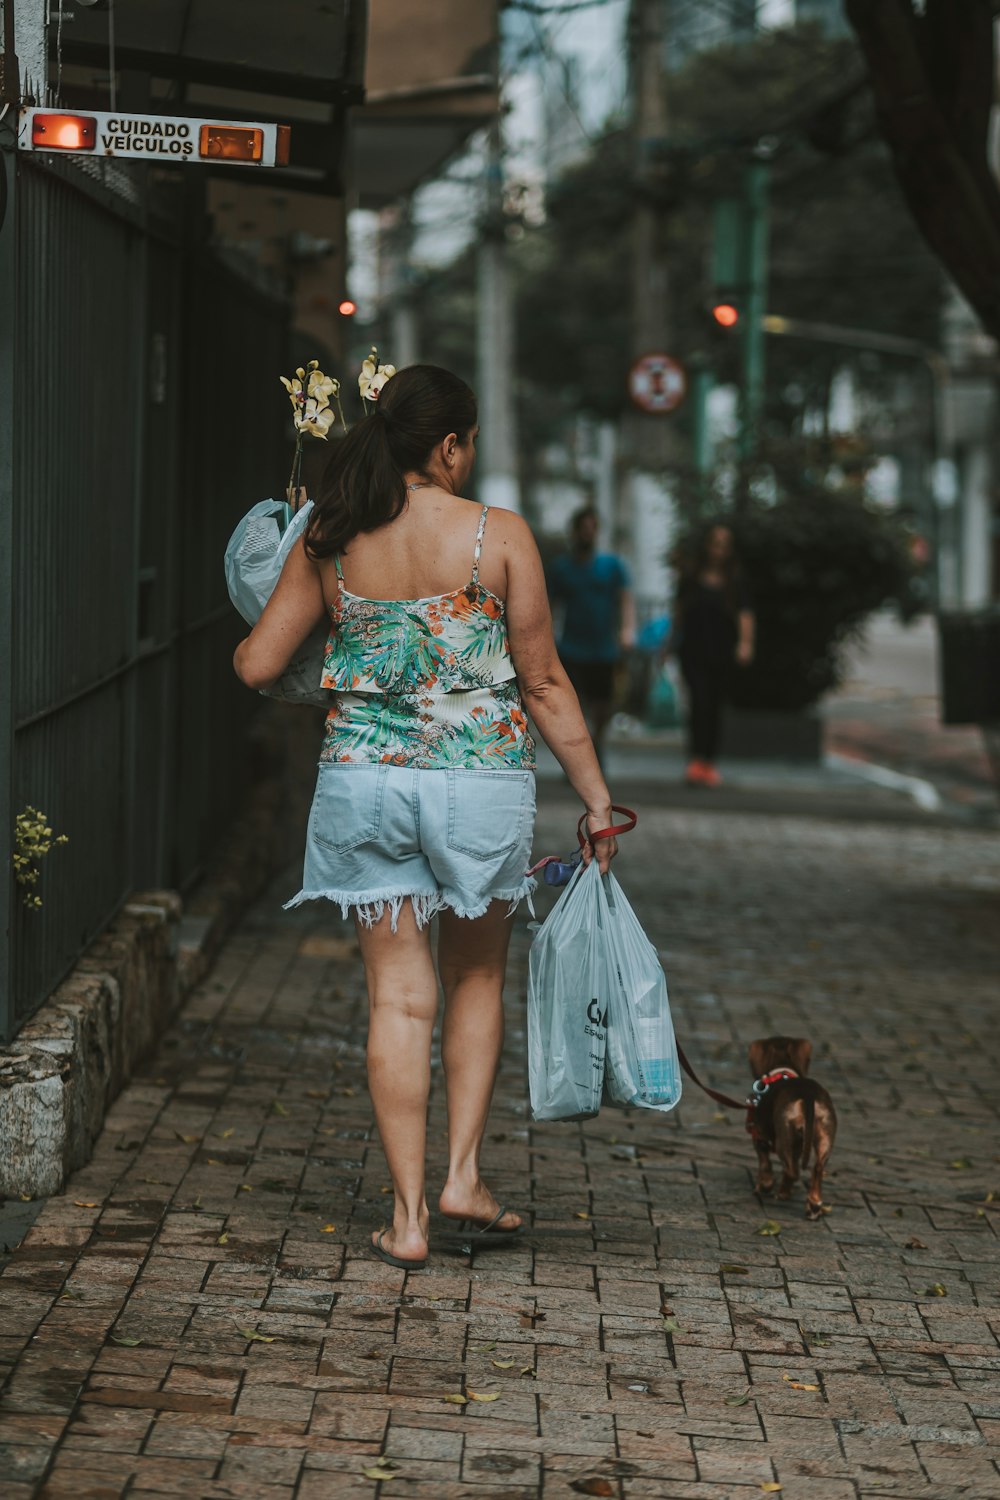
(592, 588)
(713, 629)
(439, 638)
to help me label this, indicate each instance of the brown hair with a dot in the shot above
(363, 486)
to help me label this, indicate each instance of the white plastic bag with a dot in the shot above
(642, 1066)
(255, 556)
(568, 983)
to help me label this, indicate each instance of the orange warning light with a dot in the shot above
(231, 143)
(726, 315)
(64, 132)
(347, 308)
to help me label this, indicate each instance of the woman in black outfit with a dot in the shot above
(714, 627)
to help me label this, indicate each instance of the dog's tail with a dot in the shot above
(809, 1109)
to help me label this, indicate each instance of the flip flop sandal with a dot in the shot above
(395, 1260)
(475, 1229)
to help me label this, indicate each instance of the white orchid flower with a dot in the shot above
(322, 387)
(315, 419)
(373, 377)
(294, 389)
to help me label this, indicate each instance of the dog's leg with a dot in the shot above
(788, 1144)
(826, 1127)
(765, 1172)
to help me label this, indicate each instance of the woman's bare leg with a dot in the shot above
(472, 958)
(402, 1001)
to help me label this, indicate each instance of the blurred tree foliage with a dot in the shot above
(843, 247)
(817, 565)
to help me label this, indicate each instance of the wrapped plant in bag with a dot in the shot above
(261, 543)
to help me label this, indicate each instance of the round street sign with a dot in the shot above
(657, 383)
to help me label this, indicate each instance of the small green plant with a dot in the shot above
(33, 839)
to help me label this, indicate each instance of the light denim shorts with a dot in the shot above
(379, 835)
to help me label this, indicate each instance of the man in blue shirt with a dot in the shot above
(598, 618)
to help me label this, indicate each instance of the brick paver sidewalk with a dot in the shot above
(199, 1315)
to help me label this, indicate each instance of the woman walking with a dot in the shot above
(440, 638)
(714, 626)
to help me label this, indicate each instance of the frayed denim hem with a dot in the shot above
(425, 905)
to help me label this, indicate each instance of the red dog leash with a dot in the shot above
(583, 839)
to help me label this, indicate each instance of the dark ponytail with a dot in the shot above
(363, 486)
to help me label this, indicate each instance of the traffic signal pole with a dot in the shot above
(755, 249)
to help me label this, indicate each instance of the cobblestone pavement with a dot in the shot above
(199, 1314)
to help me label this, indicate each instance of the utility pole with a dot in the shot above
(498, 482)
(756, 206)
(642, 520)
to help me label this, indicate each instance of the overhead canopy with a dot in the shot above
(300, 62)
(430, 80)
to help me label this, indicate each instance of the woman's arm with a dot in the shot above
(745, 644)
(547, 692)
(290, 615)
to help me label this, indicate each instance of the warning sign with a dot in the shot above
(159, 138)
(657, 383)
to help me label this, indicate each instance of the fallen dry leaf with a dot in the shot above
(128, 1343)
(739, 1400)
(961, 1164)
(671, 1325)
(529, 1370)
(502, 1364)
(80, 1203)
(799, 1385)
(381, 1472)
(245, 1187)
(188, 1140)
(937, 1290)
(479, 1396)
(253, 1337)
(456, 1400)
(770, 1488)
(329, 1229)
(915, 1244)
(581, 1215)
(225, 1134)
(769, 1226)
(731, 1270)
(316, 1093)
(277, 1108)
(593, 1486)
(212, 1161)
(223, 1238)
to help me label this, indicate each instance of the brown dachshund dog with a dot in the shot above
(793, 1117)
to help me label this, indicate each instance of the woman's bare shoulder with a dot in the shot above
(509, 529)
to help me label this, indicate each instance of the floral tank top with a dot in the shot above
(427, 683)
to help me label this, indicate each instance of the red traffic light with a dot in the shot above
(347, 308)
(726, 315)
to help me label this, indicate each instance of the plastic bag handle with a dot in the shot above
(607, 833)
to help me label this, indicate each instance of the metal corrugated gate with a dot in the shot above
(134, 376)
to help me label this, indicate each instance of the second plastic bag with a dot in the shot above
(641, 1065)
(568, 986)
